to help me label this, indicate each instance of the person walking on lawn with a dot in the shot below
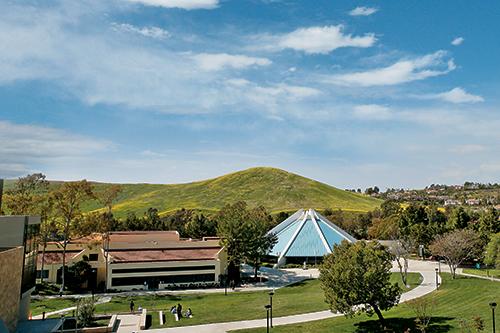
(179, 310)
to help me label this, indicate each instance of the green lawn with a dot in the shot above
(483, 272)
(462, 298)
(302, 297)
(50, 304)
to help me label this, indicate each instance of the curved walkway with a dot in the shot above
(426, 269)
(71, 308)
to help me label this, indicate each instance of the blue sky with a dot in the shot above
(352, 93)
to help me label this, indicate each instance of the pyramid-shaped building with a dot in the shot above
(306, 235)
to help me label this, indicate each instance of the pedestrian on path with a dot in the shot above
(132, 306)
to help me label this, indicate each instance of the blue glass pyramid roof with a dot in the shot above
(307, 234)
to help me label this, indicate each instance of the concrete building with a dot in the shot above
(18, 251)
(138, 260)
(306, 236)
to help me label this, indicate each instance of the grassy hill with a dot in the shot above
(275, 189)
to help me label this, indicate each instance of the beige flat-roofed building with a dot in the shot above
(18, 236)
(139, 260)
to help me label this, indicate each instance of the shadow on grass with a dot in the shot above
(297, 284)
(398, 325)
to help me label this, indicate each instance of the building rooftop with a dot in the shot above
(164, 255)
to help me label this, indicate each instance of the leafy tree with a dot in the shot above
(86, 309)
(27, 195)
(383, 228)
(132, 222)
(459, 218)
(402, 249)
(243, 233)
(152, 220)
(390, 208)
(78, 274)
(356, 278)
(492, 253)
(259, 242)
(280, 217)
(178, 221)
(456, 246)
(414, 224)
(67, 200)
(437, 220)
(489, 222)
(200, 226)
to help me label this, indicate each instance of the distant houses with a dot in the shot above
(451, 202)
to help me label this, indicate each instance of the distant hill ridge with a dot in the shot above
(275, 189)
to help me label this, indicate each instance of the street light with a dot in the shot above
(271, 293)
(268, 307)
(493, 305)
(225, 282)
(437, 281)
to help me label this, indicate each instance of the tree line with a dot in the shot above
(242, 230)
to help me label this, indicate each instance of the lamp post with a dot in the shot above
(493, 305)
(437, 280)
(271, 293)
(268, 307)
(226, 277)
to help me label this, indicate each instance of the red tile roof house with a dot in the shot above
(142, 260)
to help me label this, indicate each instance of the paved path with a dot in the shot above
(65, 310)
(426, 269)
(128, 323)
(461, 272)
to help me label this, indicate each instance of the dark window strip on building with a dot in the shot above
(45, 274)
(150, 280)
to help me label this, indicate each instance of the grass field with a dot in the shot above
(275, 189)
(48, 305)
(302, 297)
(483, 272)
(462, 298)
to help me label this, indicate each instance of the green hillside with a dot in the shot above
(275, 189)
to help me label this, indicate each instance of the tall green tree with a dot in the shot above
(489, 222)
(67, 200)
(414, 224)
(492, 253)
(356, 278)
(243, 233)
(27, 195)
(259, 242)
(200, 226)
(459, 218)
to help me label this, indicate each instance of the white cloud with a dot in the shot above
(152, 32)
(468, 149)
(403, 71)
(25, 145)
(363, 11)
(372, 112)
(457, 41)
(317, 40)
(183, 4)
(218, 61)
(289, 91)
(459, 95)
